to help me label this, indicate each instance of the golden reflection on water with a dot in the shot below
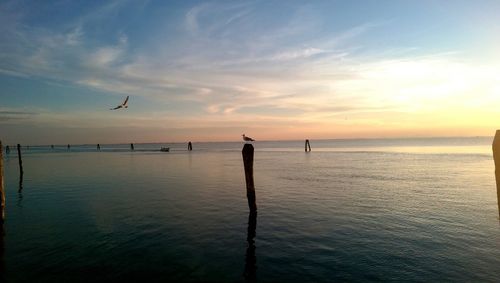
(398, 149)
(425, 149)
(441, 149)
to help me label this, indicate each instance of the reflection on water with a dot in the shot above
(20, 198)
(21, 177)
(20, 190)
(250, 258)
(2, 249)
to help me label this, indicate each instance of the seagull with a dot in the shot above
(123, 105)
(247, 139)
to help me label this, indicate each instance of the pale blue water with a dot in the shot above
(418, 210)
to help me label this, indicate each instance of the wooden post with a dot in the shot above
(98, 147)
(496, 158)
(52, 146)
(131, 146)
(2, 191)
(69, 146)
(190, 146)
(307, 146)
(247, 153)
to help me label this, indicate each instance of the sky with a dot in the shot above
(274, 70)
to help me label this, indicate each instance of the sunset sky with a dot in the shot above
(212, 70)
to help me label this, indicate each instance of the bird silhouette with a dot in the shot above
(123, 105)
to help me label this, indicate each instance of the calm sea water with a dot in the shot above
(421, 210)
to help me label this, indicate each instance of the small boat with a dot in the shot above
(165, 149)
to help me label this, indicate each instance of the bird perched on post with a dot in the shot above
(123, 105)
(247, 139)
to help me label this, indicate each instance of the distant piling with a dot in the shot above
(52, 146)
(7, 149)
(2, 189)
(98, 147)
(247, 153)
(307, 146)
(190, 146)
(69, 146)
(496, 157)
(131, 146)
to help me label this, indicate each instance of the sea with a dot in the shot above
(351, 210)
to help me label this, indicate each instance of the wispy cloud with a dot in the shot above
(192, 17)
(14, 115)
(108, 55)
(298, 54)
(12, 73)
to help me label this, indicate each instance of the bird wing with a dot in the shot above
(117, 107)
(125, 102)
(245, 138)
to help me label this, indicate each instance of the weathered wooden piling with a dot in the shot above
(307, 146)
(98, 147)
(247, 153)
(190, 146)
(496, 158)
(2, 191)
(52, 146)
(131, 146)
(69, 146)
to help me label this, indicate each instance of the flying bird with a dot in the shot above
(123, 105)
(247, 139)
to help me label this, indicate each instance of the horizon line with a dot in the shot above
(286, 140)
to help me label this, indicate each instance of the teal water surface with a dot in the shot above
(415, 210)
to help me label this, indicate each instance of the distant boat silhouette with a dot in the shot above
(247, 139)
(123, 105)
